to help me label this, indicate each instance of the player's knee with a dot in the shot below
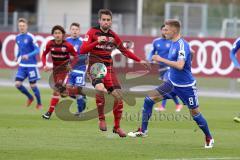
(56, 93)
(33, 85)
(117, 93)
(194, 111)
(18, 84)
(100, 87)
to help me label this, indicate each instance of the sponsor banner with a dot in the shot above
(211, 56)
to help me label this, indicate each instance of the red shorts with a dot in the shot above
(59, 77)
(110, 81)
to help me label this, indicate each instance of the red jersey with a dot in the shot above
(60, 53)
(101, 52)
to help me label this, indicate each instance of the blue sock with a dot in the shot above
(37, 94)
(81, 103)
(175, 99)
(25, 91)
(164, 102)
(146, 112)
(202, 123)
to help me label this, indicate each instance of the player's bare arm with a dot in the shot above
(178, 64)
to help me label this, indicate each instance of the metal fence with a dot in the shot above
(198, 19)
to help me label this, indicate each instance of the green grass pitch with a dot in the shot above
(25, 135)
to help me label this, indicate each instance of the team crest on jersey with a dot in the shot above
(25, 40)
(168, 45)
(64, 49)
(86, 37)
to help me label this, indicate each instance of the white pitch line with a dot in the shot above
(216, 94)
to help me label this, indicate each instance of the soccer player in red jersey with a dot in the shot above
(99, 43)
(61, 52)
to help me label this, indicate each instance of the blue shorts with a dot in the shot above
(164, 75)
(31, 72)
(77, 78)
(188, 95)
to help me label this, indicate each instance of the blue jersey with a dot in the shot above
(27, 45)
(236, 46)
(180, 50)
(161, 47)
(81, 63)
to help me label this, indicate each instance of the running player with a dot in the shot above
(99, 42)
(60, 51)
(181, 83)
(161, 47)
(27, 51)
(77, 75)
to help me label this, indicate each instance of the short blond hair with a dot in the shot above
(174, 23)
(22, 20)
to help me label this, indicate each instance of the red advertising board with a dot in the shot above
(211, 58)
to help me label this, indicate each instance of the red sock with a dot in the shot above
(117, 112)
(54, 101)
(100, 101)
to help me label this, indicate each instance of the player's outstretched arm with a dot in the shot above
(124, 50)
(175, 64)
(128, 53)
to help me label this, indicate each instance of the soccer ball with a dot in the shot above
(98, 71)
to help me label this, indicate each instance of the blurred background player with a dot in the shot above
(27, 51)
(99, 42)
(77, 75)
(233, 56)
(181, 83)
(60, 51)
(161, 47)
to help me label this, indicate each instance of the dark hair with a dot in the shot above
(162, 26)
(22, 20)
(104, 11)
(75, 24)
(58, 27)
(174, 23)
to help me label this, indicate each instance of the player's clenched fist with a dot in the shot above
(46, 68)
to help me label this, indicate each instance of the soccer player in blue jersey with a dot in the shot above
(181, 83)
(27, 51)
(236, 46)
(161, 47)
(77, 75)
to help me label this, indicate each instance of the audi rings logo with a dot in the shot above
(216, 57)
(208, 61)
